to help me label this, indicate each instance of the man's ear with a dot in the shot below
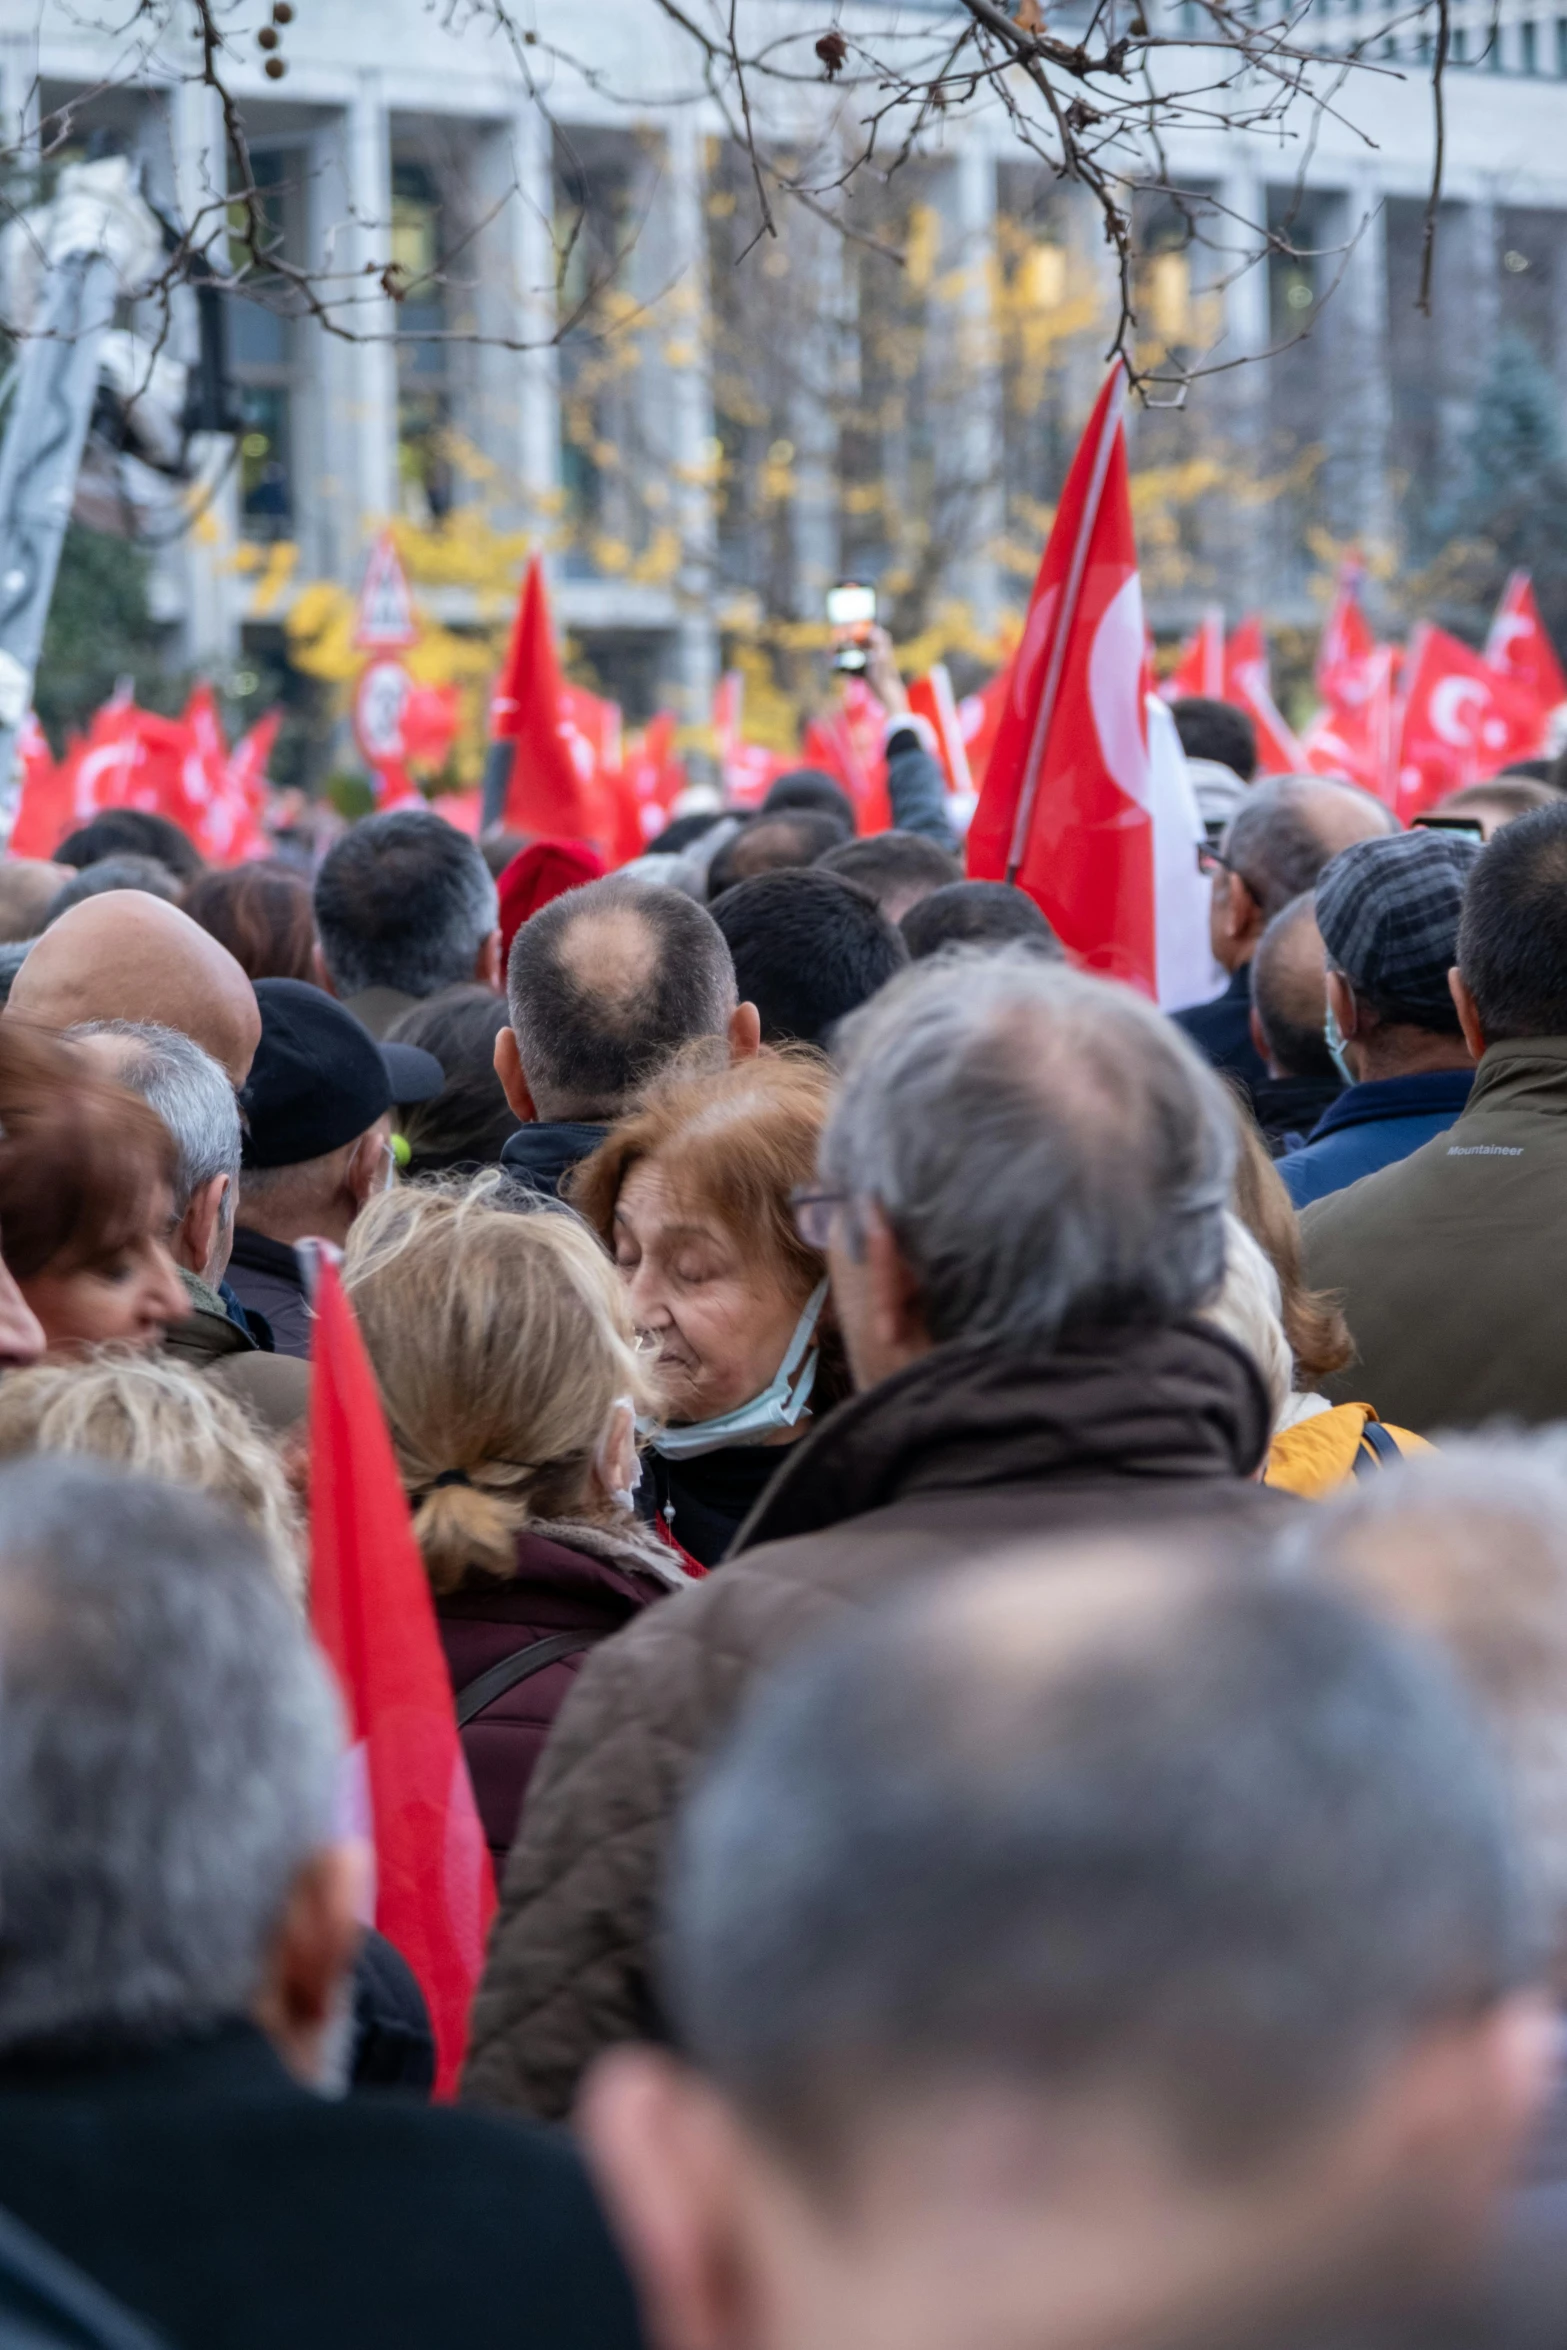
(1260, 1043)
(508, 1068)
(668, 2159)
(319, 971)
(1468, 1016)
(312, 1951)
(365, 1172)
(897, 1316)
(745, 1032)
(197, 1233)
(1343, 1006)
(487, 965)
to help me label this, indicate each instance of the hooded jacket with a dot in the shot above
(970, 1448)
(1452, 1263)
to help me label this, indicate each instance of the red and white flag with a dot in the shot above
(1065, 810)
(931, 698)
(550, 789)
(1462, 720)
(1199, 667)
(1519, 647)
(1247, 684)
(371, 1610)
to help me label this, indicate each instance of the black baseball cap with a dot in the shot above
(319, 1078)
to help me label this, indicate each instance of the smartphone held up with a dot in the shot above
(851, 615)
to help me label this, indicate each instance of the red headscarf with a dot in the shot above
(545, 869)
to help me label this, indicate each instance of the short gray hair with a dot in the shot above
(1274, 843)
(1231, 1843)
(1046, 1147)
(192, 1094)
(1470, 1544)
(405, 901)
(169, 1743)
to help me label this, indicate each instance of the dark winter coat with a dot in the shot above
(236, 2210)
(542, 1155)
(1452, 1264)
(266, 1275)
(965, 1451)
(568, 1579)
(1222, 1031)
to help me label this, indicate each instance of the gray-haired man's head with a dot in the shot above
(1469, 1544)
(194, 1097)
(405, 901)
(1110, 1912)
(606, 985)
(1273, 848)
(169, 1742)
(1045, 1151)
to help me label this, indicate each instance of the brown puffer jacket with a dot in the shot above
(967, 1450)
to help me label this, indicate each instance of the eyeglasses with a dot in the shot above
(1209, 863)
(813, 1213)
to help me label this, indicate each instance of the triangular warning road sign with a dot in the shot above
(385, 619)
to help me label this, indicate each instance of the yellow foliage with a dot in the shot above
(922, 247)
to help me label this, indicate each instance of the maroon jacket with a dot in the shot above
(560, 1585)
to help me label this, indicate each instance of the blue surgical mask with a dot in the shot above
(1333, 1038)
(781, 1403)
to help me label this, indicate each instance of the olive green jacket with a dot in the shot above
(1452, 1264)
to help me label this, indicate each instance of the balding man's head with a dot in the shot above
(128, 956)
(1285, 832)
(1289, 993)
(1131, 1920)
(606, 985)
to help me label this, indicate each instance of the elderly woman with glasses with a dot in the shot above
(703, 1196)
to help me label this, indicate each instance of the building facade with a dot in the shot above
(524, 286)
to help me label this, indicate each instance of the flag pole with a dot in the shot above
(1072, 590)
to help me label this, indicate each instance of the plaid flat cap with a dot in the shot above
(1388, 913)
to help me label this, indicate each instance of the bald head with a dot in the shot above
(605, 986)
(1289, 992)
(1285, 832)
(1218, 1844)
(128, 956)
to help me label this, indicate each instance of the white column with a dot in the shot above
(1363, 419)
(537, 369)
(209, 584)
(373, 316)
(1242, 395)
(691, 421)
(971, 383)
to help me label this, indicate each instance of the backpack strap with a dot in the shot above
(513, 1670)
(1376, 1449)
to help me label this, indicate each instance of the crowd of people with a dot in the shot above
(1001, 1558)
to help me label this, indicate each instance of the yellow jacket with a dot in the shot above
(1317, 1455)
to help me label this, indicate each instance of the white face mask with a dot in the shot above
(781, 1403)
(622, 1422)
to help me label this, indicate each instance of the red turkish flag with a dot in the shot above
(655, 778)
(1462, 721)
(848, 746)
(1065, 808)
(1519, 647)
(1347, 649)
(371, 1610)
(43, 811)
(547, 791)
(1199, 667)
(1248, 686)
(980, 717)
(931, 698)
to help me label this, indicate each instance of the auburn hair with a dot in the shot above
(733, 1141)
(81, 1158)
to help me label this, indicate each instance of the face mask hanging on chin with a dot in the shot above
(781, 1403)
